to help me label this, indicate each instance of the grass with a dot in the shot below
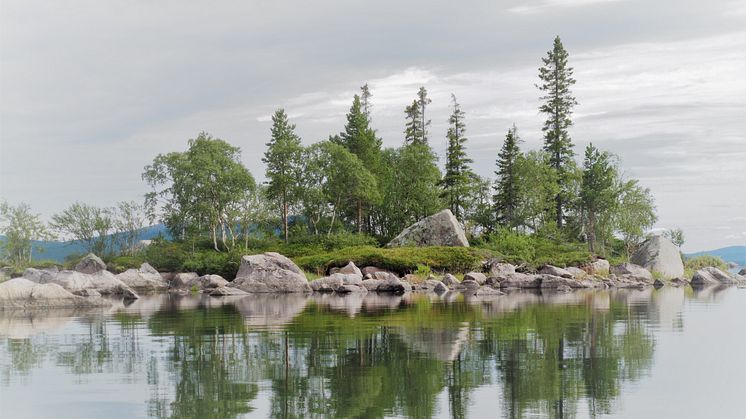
(692, 265)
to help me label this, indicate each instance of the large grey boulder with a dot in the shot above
(711, 276)
(20, 293)
(270, 273)
(519, 280)
(658, 254)
(144, 279)
(477, 277)
(440, 229)
(576, 272)
(599, 267)
(90, 264)
(350, 269)
(103, 282)
(631, 269)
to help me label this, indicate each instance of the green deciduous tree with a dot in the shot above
(282, 158)
(88, 224)
(197, 189)
(416, 184)
(128, 219)
(556, 80)
(676, 235)
(507, 186)
(537, 188)
(635, 213)
(598, 196)
(20, 228)
(458, 176)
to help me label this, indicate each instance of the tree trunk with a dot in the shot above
(359, 216)
(285, 215)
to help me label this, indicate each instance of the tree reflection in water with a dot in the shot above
(376, 356)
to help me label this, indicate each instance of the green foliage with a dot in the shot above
(676, 235)
(20, 227)
(402, 260)
(88, 224)
(598, 196)
(120, 264)
(196, 189)
(535, 251)
(692, 265)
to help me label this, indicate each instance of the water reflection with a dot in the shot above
(367, 355)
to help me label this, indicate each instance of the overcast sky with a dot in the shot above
(91, 91)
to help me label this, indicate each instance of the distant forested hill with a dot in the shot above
(735, 254)
(58, 251)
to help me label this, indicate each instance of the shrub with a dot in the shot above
(122, 263)
(692, 265)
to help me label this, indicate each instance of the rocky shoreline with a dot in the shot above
(273, 273)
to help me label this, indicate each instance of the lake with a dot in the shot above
(672, 352)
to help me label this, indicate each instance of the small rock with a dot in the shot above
(711, 275)
(631, 269)
(599, 267)
(449, 281)
(350, 268)
(372, 284)
(440, 288)
(658, 283)
(226, 291)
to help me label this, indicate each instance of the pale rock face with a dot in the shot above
(90, 264)
(440, 229)
(145, 279)
(633, 270)
(599, 267)
(449, 281)
(555, 271)
(20, 293)
(658, 254)
(501, 269)
(477, 277)
(270, 273)
(711, 276)
(576, 272)
(184, 280)
(102, 281)
(350, 268)
(227, 291)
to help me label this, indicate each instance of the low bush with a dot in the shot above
(692, 265)
(536, 251)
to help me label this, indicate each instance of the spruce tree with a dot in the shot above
(458, 176)
(556, 80)
(282, 158)
(359, 139)
(507, 186)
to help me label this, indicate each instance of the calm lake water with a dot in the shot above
(664, 353)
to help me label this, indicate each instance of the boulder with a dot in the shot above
(90, 264)
(207, 282)
(371, 270)
(372, 284)
(519, 280)
(326, 284)
(430, 284)
(659, 254)
(658, 283)
(711, 276)
(449, 281)
(498, 269)
(393, 285)
(440, 229)
(576, 272)
(226, 291)
(350, 268)
(468, 284)
(477, 277)
(20, 293)
(742, 272)
(599, 267)
(103, 282)
(270, 272)
(184, 280)
(145, 279)
(551, 281)
(348, 288)
(555, 271)
(633, 270)
(440, 288)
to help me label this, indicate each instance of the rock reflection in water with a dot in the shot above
(361, 355)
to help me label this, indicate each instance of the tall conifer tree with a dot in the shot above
(556, 80)
(458, 176)
(282, 158)
(507, 186)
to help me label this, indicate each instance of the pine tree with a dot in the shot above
(283, 155)
(507, 184)
(458, 176)
(422, 102)
(556, 80)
